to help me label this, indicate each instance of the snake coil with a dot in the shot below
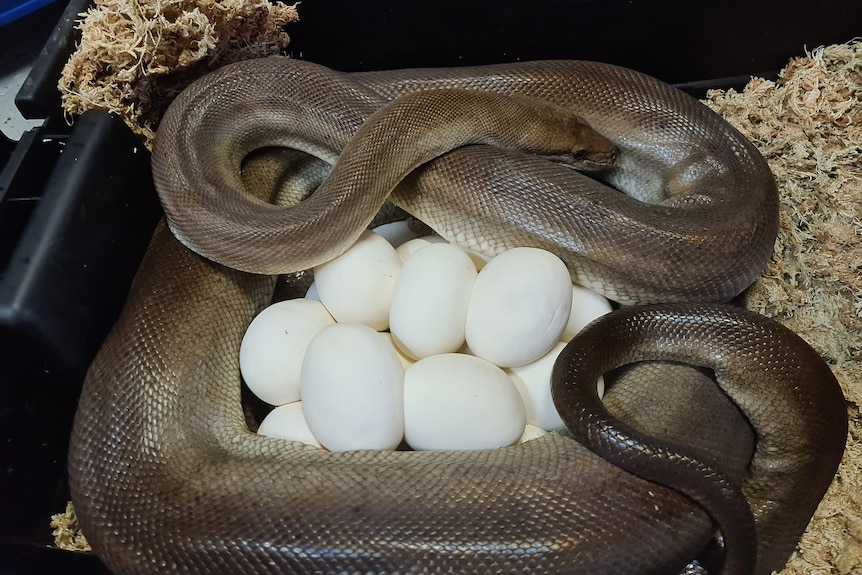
(167, 478)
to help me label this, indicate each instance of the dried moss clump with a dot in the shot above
(808, 125)
(134, 57)
(67, 533)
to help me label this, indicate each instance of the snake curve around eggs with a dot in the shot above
(167, 478)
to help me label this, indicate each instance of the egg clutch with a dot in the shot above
(406, 339)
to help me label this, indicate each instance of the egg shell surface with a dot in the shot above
(396, 233)
(587, 305)
(520, 304)
(410, 247)
(532, 432)
(288, 422)
(356, 287)
(352, 389)
(479, 260)
(311, 293)
(429, 302)
(406, 361)
(460, 402)
(270, 356)
(533, 381)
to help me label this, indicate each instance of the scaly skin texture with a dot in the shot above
(167, 478)
(705, 234)
(771, 374)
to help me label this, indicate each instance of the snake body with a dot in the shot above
(698, 223)
(167, 477)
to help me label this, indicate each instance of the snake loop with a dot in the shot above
(167, 477)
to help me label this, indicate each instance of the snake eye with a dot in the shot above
(580, 155)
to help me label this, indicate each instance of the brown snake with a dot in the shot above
(167, 478)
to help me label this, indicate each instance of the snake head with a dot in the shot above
(591, 151)
(578, 145)
(593, 160)
(585, 159)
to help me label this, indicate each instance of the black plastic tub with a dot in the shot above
(77, 204)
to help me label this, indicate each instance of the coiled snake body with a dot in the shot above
(166, 476)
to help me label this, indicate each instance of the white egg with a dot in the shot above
(533, 381)
(531, 432)
(587, 305)
(460, 402)
(429, 303)
(356, 287)
(270, 356)
(410, 247)
(406, 361)
(312, 292)
(479, 260)
(288, 422)
(396, 233)
(519, 307)
(352, 389)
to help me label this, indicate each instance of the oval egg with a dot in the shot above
(270, 356)
(587, 305)
(406, 361)
(356, 287)
(311, 293)
(288, 422)
(396, 233)
(352, 389)
(533, 381)
(520, 305)
(410, 247)
(532, 432)
(460, 402)
(429, 302)
(479, 260)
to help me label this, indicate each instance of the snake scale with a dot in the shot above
(167, 478)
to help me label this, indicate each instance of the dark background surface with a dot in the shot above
(696, 44)
(675, 40)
